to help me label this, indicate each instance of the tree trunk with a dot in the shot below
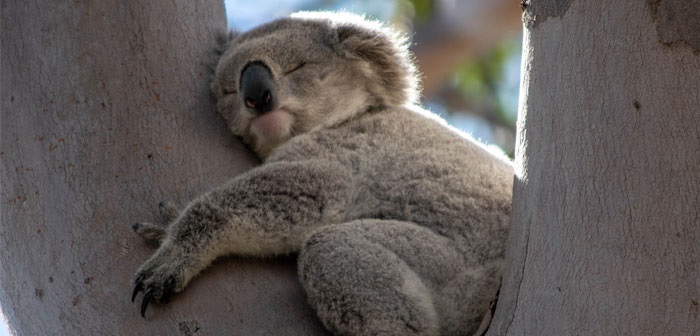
(105, 112)
(606, 210)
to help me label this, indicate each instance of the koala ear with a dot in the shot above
(223, 39)
(222, 42)
(386, 53)
(355, 41)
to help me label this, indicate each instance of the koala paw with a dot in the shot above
(160, 277)
(155, 233)
(168, 212)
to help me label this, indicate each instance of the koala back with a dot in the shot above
(407, 164)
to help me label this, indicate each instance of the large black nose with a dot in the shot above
(257, 88)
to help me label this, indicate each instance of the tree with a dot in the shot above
(606, 210)
(106, 112)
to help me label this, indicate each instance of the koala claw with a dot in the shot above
(146, 297)
(137, 288)
(160, 277)
(149, 294)
(144, 303)
(167, 290)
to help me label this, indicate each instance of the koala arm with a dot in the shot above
(267, 211)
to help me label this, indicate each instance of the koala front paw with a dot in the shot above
(160, 277)
(168, 212)
(155, 233)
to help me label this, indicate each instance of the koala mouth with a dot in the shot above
(272, 127)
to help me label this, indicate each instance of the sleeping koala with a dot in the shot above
(399, 221)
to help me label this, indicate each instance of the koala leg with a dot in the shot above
(384, 277)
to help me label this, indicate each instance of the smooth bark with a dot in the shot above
(105, 112)
(606, 222)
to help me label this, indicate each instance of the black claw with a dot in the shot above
(161, 204)
(146, 298)
(137, 289)
(135, 226)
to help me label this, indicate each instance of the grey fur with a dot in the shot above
(400, 221)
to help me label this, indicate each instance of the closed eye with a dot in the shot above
(295, 68)
(228, 87)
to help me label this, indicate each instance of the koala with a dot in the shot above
(398, 221)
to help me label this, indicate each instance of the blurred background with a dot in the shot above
(468, 52)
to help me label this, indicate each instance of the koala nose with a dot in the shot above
(256, 88)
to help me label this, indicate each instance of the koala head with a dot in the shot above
(310, 70)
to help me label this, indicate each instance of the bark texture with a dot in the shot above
(105, 112)
(606, 224)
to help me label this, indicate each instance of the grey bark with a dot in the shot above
(105, 112)
(606, 211)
